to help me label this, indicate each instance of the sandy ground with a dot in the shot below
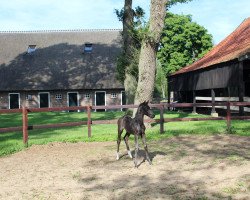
(214, 167)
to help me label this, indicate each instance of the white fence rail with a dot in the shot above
(221, 99)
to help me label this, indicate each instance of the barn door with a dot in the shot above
(72, 99)
(44, 100)
(123, 100)
(14, 100)
(100, 100)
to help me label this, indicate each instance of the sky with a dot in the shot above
(219, 17)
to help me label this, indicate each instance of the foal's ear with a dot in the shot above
(145, 103)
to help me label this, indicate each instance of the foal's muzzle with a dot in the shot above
(151, 115)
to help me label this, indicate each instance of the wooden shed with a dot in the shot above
(223, 74)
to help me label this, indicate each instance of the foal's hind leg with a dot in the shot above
(118, 141)
(136, 150)
(146, 148)
(126, 142)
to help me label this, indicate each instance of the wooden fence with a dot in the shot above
(88, 109)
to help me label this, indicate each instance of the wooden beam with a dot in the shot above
(213, 101)
(89, 120)
(25, 125)
(194, 101)
(241, 89)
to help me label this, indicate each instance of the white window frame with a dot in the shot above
(113, 95)
(31, 49)
(87, 96)
(105, 98)
(19, 100)
(58, 96)
(68, 98)
(39, 98)
(122, 93)
(29, 97)
(88, 48)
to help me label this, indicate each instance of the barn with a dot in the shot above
(223, 74)
(59, 68)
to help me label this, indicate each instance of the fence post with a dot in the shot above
(89, 120)
(228, 117)
(25, 125)
(161, 118)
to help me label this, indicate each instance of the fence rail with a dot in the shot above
(88, 109)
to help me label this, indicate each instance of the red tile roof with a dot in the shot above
(232, 47)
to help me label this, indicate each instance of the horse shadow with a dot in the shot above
(142, 155)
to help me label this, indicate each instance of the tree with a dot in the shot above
(182, 42)
(148, 47)
(129, 81)
(147, 58)
(128, 60)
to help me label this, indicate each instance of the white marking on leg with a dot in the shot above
(117, 156)
(130, 155)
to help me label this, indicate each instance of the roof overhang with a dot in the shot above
(244, 57)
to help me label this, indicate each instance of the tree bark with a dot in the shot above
(147, 59)
(130, 82)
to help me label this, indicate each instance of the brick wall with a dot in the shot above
(85, 97)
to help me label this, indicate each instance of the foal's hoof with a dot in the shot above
(136, 163)
(130, 155)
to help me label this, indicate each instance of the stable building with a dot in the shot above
(223, 74)
(59, 68)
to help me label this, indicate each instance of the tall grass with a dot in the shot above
(12, 142)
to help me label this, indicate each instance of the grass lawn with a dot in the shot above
(12, 142)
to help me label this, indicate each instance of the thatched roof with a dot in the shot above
(59, 62)
(234, 46)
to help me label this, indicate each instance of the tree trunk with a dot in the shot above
(147, 59)
(147, 62)
(130, 82)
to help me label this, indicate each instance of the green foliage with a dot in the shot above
(139, 17)
(128, 62)
(231, 130)
(161, 83)
(121, 64)
(182, 42)
(173, 2)
(138, 13)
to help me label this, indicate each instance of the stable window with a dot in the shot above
(87, 96)
(113, 95)
(58, 96)
(88, 48)
(29, 97)
(31, 49)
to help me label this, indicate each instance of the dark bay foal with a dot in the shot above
(134, 126)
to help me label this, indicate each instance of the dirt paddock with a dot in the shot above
(187, 167)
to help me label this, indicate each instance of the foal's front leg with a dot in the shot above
(136, 150)
(146, 148)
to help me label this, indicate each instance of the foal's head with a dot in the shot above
(145, 109)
